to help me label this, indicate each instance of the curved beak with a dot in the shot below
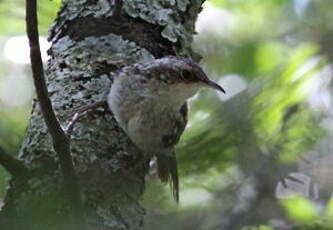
(214, 85)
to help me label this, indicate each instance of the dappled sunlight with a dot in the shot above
(23, 92)
(195, 197)
(234, 84)
(16, 49)
(214, 21)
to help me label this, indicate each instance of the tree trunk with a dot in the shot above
(91, 39)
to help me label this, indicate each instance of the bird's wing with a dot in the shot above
(179, 123)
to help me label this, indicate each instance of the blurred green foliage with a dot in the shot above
(261, 227)
(307, 215)
(300, 209)
(12, 15)
(269, 56)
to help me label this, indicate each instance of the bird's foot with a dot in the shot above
(80, 111)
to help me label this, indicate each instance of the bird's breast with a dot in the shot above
(152, 123)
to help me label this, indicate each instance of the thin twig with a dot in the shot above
(70, 126)
(61, 142)
(14, 166)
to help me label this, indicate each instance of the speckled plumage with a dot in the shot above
(149, 103)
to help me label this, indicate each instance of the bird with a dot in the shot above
(149, 102)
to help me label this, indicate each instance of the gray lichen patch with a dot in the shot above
(82, 8)
(79, 9)
(159, 13)
(170, 14)
(110, 49)
(183, 4)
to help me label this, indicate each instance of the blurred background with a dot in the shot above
(259, 156)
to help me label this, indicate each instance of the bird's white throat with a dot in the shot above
(175, 95)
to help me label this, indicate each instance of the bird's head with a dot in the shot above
(183, 75)
(191, 73)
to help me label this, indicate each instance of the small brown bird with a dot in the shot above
(149, 104)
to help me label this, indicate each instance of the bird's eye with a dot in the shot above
(187, 75)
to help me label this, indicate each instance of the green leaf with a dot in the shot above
(300, 210)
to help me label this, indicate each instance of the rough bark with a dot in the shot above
(90, 39)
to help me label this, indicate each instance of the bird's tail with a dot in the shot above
(168, 172)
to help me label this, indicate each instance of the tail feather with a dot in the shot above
(168, 172)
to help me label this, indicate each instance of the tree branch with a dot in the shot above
(11, 164)
(61, 142)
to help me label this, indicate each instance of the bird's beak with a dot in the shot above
(214, 85)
